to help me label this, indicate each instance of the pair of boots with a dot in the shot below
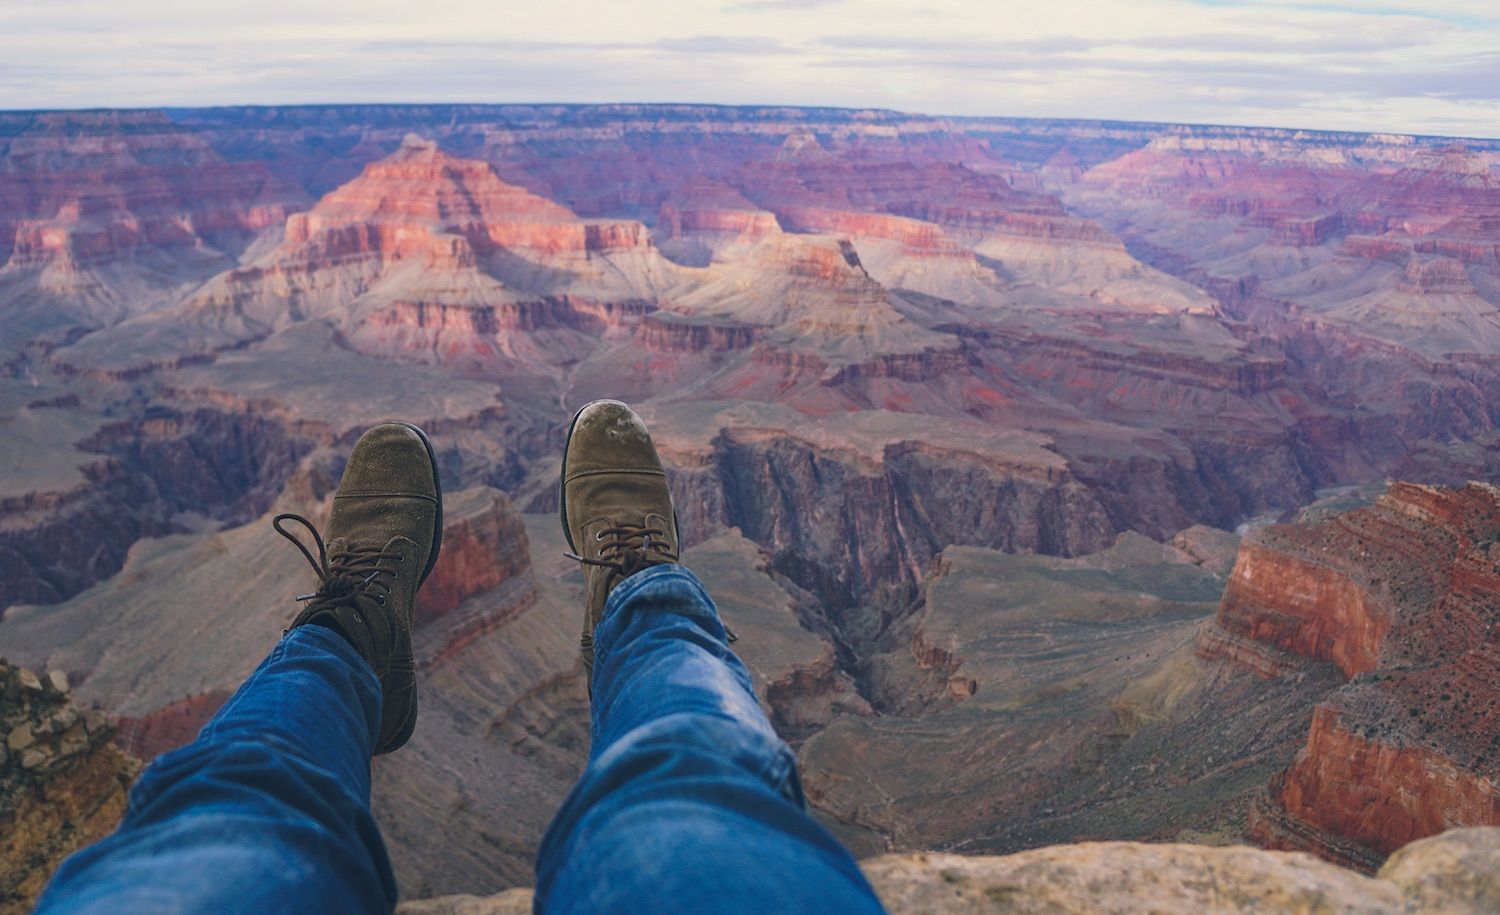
(387, 527)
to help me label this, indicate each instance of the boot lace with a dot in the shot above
(628, 548)
(345, 576)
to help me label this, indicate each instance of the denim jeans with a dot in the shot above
(690, 802)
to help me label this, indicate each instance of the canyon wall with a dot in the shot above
(1399, 597)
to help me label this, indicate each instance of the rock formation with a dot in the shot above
(425, 254)
(1453, 873)
(173, 725)
(62, 783)
(103, 213)
(1398, 597)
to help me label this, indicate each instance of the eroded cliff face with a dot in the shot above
(1303, 608)
(490, 555)
(146, 475)
(1399, 596)
(865, 544)
(1365, 791)
(484, 544)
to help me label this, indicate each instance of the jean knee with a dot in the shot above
(690, 744)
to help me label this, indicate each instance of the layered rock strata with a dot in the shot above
(1399, 597)
(104, 214)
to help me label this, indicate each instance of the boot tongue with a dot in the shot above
(339, 589)
(632, 561)
(342, 590)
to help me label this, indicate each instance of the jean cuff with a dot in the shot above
(324, 639)
(631, 586)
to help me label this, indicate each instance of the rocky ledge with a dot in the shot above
(1457, 872)
(62, 783)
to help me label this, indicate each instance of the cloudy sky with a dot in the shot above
(1430, 66)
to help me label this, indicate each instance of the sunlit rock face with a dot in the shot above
(964, 421)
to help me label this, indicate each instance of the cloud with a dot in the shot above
(1468, 12)
(690, 46)
(1231, 64)
(922, 45)
(774, 6)
(1416, 67)
(720, 44)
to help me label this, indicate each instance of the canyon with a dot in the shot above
(1064, 480)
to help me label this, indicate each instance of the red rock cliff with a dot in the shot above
(484, 545)
(400, 206)
(1302, 606)
(85, 188)
(1376, 792)
(1400, 596)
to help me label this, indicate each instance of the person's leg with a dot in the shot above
(690, 802)
(267, 811)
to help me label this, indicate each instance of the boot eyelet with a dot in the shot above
(380, 600)
(598, 535)
(400, 557)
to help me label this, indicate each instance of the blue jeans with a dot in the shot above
(690, 802)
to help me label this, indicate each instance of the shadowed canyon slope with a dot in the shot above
(965, 420)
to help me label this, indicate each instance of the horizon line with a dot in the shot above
(886, 112)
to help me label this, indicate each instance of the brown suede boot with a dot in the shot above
(383, 540)
(616, 508)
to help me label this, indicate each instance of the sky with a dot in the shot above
(1384, 65)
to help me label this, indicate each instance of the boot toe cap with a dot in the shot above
(608, 435)
(390, 458)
